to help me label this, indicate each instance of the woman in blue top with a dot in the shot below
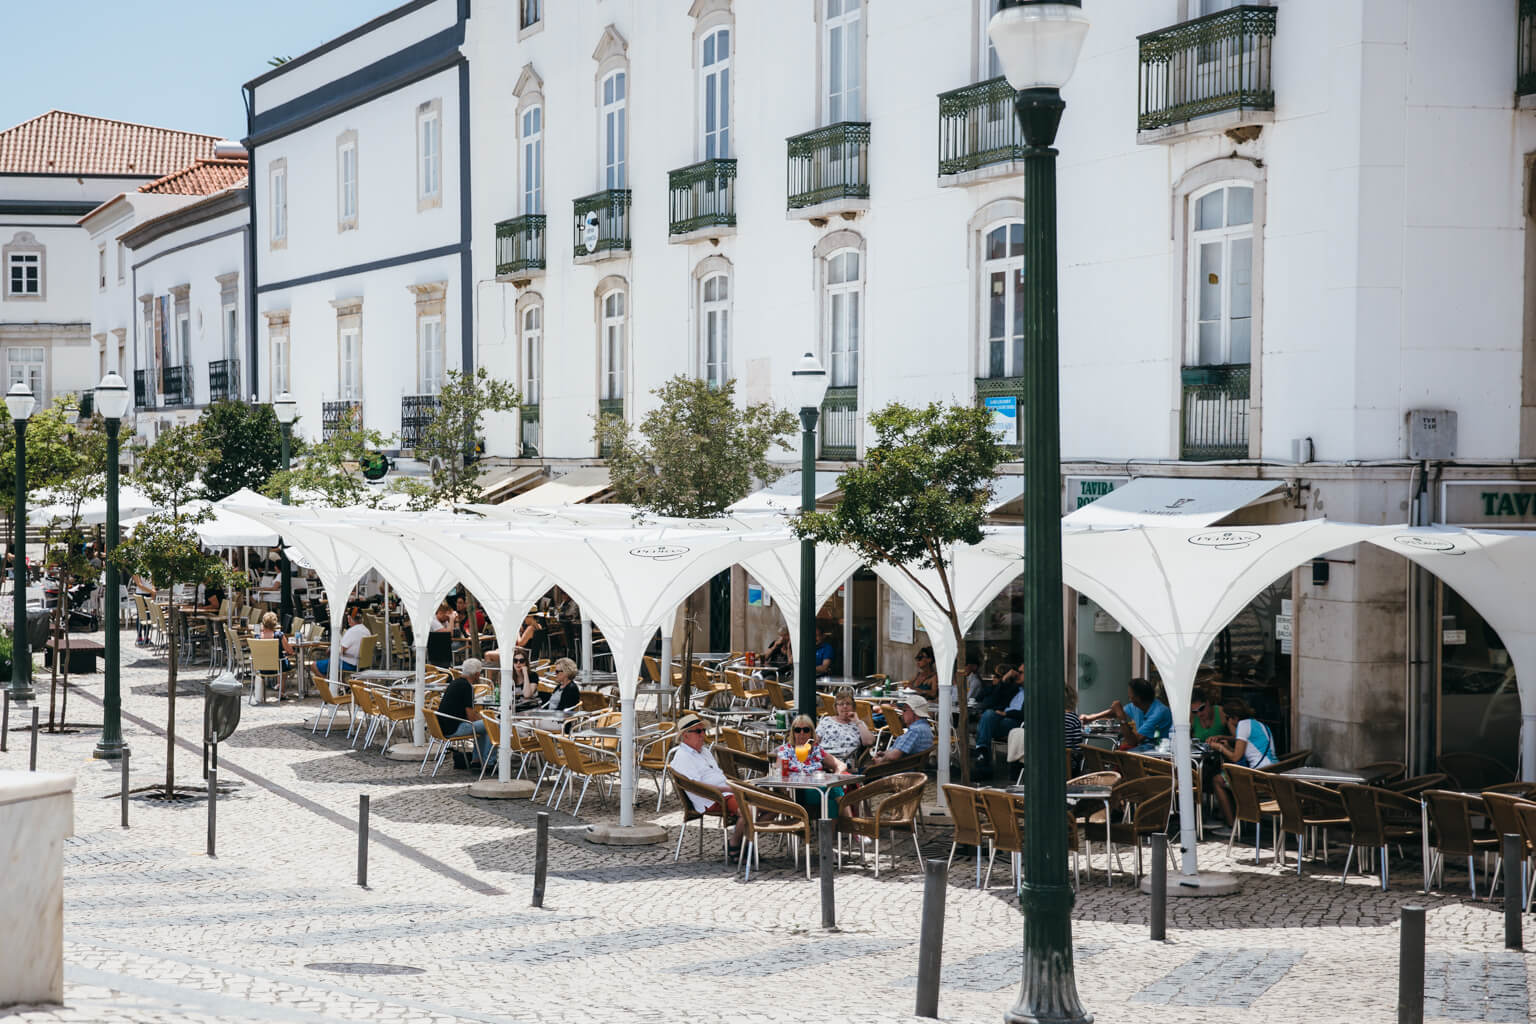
(1251, 745)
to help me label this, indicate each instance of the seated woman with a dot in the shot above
(525, 685)
(780, 652)
(213, 599)
(269, 631)
(802, 754)
(843, 733)
(1251, 745)
(926, 681)
(1205, 719)
(567, 693)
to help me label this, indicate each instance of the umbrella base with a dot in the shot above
(405, 752)
(495, 789)
(643, 834)
(1208, 883)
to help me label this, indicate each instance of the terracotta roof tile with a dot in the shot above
(59, 142)
(203, 178)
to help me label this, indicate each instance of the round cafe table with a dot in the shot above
(819, 781)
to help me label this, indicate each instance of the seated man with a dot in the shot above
(917, 739)
(1144, 722)
(693, 759)
(824, 653)
(351, 644)
(995, 724)
(458, 716)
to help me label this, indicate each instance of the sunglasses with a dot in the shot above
(800, 728)
(691, 732)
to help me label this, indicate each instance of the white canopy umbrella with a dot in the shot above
(1492, 570)
(1175, 589)
(228, 528)
(44, 508)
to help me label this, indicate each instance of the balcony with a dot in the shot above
(416, 414)
(531, 440)
(178, 386)
(1213, 423)
(829, 171)
(702, 201)
(1215, 65)
(336, 415)
(840, 424)
(142, 392)
(978, 133)
(601, 226)
(224, 380)
(85, 403)
(1525, 57)
(520, 247)
(1004, 398)
(608, 407)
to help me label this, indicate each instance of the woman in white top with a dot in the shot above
(843, 733)
(1251, 745)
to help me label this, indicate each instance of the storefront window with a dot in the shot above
(1479, 705)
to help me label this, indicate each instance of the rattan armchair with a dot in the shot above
(1377, 818)
(893, 803)
(768, 815)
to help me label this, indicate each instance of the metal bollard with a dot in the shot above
(362, 840)
(33, 765)
(1159, 874)
(124, 796)
(5, 720)
(540, 858)
(1513, 860)
(1410, 967)
(213, 810)
(826, 836)
(930, 948)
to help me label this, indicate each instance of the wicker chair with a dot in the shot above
(1452, 835)
(902, 765)
(893, 805)
(1472, 772)
(332, 700)
(739, 764)
(1504, 816)
(1149, 803)
(1381, 773)
(1285, 764)
(1419, 783)
(768, 815)
(716, 797)
(1305, 807)
(1377, 818)
(1252, 804)
(971, 826)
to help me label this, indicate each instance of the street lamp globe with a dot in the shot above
(112, 397)
(808, 383)
(1037, 41)
(20, 401)
(286, 407)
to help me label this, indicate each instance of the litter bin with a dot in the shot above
(221, 708)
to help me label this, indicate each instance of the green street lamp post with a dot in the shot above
(808, 386)
(286, 408)
(1037, 43)
(112, 403)
(20, 402)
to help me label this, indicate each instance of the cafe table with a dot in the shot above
(1076, 793)
(819, 781)
(383, 675)
(303, 647)
(1324, 776)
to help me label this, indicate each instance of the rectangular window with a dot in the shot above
(279, 203)
(281, 378)
(25, 364)
(533, 344)
(845, 293)
(715, 94)
(431, 345)
(1221, 252)
(842, 60)
(122, 261)
(533, 160)
(231, 332)
(346, 184)
(429, 141)
(101, 267)
(25, 274)
(351, 365)
(532, 13)
(715, 328)
(615, 132)
(184, 338)
(614, 324)
(988, 64)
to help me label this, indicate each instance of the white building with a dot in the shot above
(361, 254)
(1286, 230)
(55, 169)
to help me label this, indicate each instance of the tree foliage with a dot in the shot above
(923, 488)
(697, 452)
(448, 443)
(329, 472)
(247, 441)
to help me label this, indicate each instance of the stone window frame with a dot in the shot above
(992, 215)
(708, 17)
(527, 301)
(43, 391)
(101, 267)
(344, 141)
(821, 115)
(529, 91)
(122, 261)
(611, 55)
(708, 267)
(606, 287)
(278, 334)
(828, 246)
(23, 242)
(534, 27)
(277, 170)
(349, 319)
(182, 313)
(429, 110)
(431, 304)
(120, 336)
(229, 299)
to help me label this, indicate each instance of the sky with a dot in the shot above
(169, 63)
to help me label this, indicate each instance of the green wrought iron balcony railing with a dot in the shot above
(531, 439)
(1217, 63)
(143, 391)
(335, 415)
(177, 381)
(702, 195)
(977, 127)
(85, 403)
(223, 380)
(1004, 397)
(1525, 56)
(828, 164)
(609, 407)
(520, 244)
(1213, 423)
(416, 414)
(840, 424)
(608, 211)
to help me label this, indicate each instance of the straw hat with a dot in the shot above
(919, 705)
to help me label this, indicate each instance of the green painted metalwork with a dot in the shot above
(335, 415)
(977, 127)
(995, 387)
(829, 163)
(840, 424)
(702, 195)
(611, 208)
(609, 407)
(178, 386)
(520, 244)
(416, 414)
(223, 380)
(530, 422)
(1213, 423)
(1205, 66)
(1525, 50)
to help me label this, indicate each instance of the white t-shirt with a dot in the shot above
(1261, 745)
(700, 766)
(352, 643)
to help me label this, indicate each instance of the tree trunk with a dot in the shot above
(685, 692)
(961, 702)
(170, 715)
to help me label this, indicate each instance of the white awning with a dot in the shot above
(1172, 501)
(1006, 491)
(502, 484)
(784, 493)
(573, 488)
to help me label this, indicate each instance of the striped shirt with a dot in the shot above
(1074, 731)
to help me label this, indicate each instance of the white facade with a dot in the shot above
(359, 238)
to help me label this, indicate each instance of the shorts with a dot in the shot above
(731, 807)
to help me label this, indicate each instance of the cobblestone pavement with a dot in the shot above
(273, 928)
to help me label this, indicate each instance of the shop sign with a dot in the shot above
(1085, 490)
(1502, 504)
(900, 620)
(1005, 418)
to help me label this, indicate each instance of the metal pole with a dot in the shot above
(930, 948)
(1048, 990)
(540, 858)
(32, 766)
(1513, 891)
(213, 809)
(21, 652)
(362, 840)
(1159, 887)
(124, 795)
(286, 597)
(586, 649)
(5, 720)
(110, 746)
(805, 646)
(826, 837)
(1410, 967)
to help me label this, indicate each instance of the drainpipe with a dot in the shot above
(252, 374)
(1422, 632)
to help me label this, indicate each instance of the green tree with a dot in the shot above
(696, 454)
(329, 472)
(248, 442)
(164, 546)
(923, 488)
(50, 453)
(449, 441)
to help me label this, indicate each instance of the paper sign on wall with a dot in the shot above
(900, 624)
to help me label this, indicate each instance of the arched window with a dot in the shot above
(715, 93)
(615, 131)
(844, 316)
(531, 143)
(1221, 275)
(533, 353)
(615, 327)
(715, 329)
(1002, 301)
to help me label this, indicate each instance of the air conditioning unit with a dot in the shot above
(1431, 434)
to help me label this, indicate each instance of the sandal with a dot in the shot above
(733, 851)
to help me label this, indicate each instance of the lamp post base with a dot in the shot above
(109, 751)
(22, 694)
